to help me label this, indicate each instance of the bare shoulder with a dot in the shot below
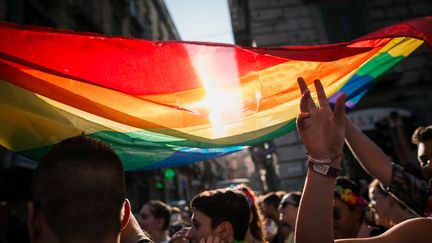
(425, 223)
(416, 230)
(412, 230)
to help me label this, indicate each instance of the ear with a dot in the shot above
(125, 214)
(160, 222)
(225, 231)
(34, 224)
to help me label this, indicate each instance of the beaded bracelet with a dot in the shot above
(312, 160)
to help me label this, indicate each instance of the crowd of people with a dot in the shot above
(78, 194)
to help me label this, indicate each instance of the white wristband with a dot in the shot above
(312, 160)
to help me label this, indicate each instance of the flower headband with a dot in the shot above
(249, 196)
(349, 197)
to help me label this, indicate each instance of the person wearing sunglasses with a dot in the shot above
(269, 204)
(288, 209)
(388, 211)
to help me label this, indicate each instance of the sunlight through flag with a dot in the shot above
(165, 104)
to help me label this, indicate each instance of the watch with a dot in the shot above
(324, 169)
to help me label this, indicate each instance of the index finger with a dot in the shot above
(302, 84)
(307, 104)
(322, 98)
(181, 233)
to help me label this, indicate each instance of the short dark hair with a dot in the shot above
(159, 210)
(225, 205)
(422, 134)
(79, 186)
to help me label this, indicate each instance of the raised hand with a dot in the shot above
(180, 236)
(322, 131)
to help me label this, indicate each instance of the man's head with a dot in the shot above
(78, 193)
(422, 137)
(155, 216)
(223, 213)
(348, 209)
(288, 209)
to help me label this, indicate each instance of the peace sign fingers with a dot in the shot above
(307, 104)
(322, 98)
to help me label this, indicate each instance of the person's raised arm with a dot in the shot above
(323, 134)
(368, 154)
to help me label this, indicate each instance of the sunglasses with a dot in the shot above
(288, 201)
(283, 205)
(337, 214)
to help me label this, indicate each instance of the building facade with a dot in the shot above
(148, 19)
(133, 18)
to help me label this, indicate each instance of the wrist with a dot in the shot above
(327, 167)
(336, 163)
(314, 160)
(324, 159)
(326, 170)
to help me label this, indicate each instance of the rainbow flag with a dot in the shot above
(165, 104)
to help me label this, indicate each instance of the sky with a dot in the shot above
(202, 20)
